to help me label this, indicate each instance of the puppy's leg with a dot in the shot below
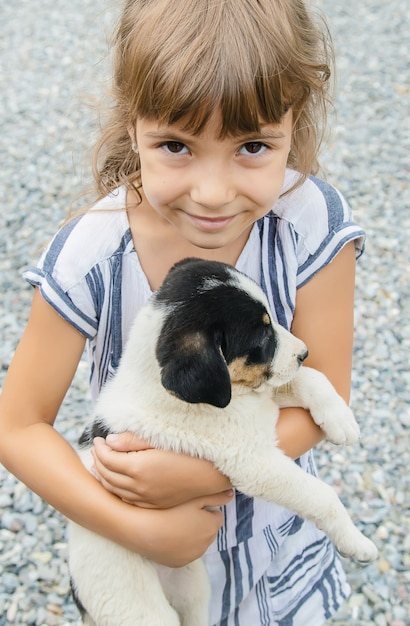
(115, 586)
(277, 478)
(188, 591)
(311, 390)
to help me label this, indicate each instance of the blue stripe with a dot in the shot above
(331, 599)
(221, 541)
(116, 307)
(262, 600)
(95, 282)
(36, 277)
(270, 254)
(271, 540)
(237, 574)
(116, 262)
(332, 252)
(318, 586)
(221, 537)
(103, 371)
(334, 204)
(249, 564)
(289, 301)
(226, 594)
(245, 510)
(126, 239)
(294, 571)
(325, 595)
(58, 243)
(113, 337)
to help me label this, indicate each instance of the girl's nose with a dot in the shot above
(213, 188)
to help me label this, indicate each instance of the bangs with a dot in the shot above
(242, 111)
(211, 55)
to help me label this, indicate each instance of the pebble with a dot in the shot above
(54, 64)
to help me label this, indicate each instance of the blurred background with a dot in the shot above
(53, 69)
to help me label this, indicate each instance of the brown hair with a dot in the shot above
(178, 60)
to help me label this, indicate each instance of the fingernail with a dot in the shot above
(112, 438)
(229, 492)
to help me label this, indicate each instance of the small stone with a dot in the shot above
(371, 595)
(9, 582)
(12, 612)
(54, 608)
(356, 600)
(399, 613)
(11, 522)
(5, 500)
(42, 557)
(382, 532)
(383, 565)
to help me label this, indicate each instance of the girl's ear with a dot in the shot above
(195, 370)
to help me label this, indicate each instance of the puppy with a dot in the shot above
(204, 372)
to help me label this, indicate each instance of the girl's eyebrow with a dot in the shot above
(263, 134)
(167, 135)
(181, 137)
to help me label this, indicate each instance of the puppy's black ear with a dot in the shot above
(194, 369)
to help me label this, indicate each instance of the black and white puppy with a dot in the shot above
(204, 372)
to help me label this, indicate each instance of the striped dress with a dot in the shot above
(266, 566)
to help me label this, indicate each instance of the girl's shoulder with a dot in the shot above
(307, 228)
(89, 239)
(80, 272)
(314, 209)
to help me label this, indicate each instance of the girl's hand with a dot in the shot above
(177, 536)
(152, 478)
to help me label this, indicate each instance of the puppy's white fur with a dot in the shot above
(120, 588)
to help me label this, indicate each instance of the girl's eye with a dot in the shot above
(175, 147)
(253, 147)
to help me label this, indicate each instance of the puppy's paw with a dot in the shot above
(338, 423)
(358, 547)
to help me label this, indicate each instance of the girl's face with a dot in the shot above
(212, 190)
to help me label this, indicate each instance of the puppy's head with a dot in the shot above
(217, 333)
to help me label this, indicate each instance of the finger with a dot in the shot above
(112, 460)
(217, 500)
(116, 473)
(124, 494)
(118, 484)
(107, 469)
(126, 442)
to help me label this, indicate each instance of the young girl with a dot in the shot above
(209, 152)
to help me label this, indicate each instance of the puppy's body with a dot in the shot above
(205, 372)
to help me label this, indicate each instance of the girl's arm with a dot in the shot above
(324, 321)
(39, 376)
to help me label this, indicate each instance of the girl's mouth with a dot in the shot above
(210, 223)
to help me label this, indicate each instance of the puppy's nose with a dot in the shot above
(302, 356)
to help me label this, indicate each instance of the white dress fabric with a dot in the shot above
(267, 566)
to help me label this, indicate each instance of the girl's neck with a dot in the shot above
(159, 245)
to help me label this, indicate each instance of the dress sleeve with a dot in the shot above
(62, 284)
(302, 234)
(327, 226)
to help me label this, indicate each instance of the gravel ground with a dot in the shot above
(53, 63)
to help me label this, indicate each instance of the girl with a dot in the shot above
(209, 152)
